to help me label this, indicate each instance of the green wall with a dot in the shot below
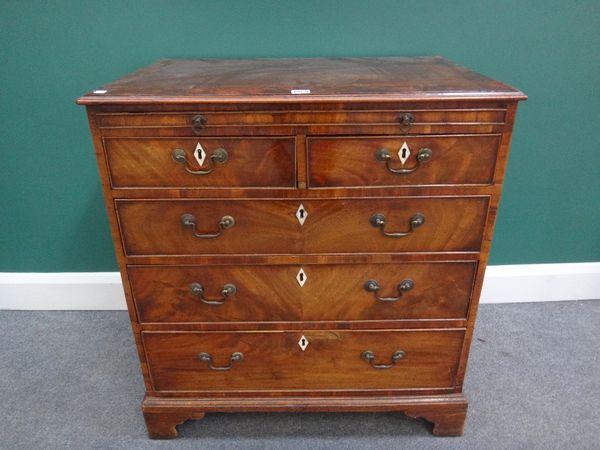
(51, 213)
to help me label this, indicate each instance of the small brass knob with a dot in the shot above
(406, 119)
(198, 122)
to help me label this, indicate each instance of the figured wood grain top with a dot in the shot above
(327, 79)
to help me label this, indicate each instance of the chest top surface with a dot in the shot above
(300, 80)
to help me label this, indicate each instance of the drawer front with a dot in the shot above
(274, 360)
(164, 163)
(328, 292)
(206, 122)
(172, 227)
(426, 160)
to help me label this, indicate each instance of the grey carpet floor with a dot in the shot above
(70, 380)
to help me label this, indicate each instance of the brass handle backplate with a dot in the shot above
(234, 358)
(404, 286)
(189, 221)
(423, 156)
(378, 221)
(369, 356)
(220, 155)
(228, 290)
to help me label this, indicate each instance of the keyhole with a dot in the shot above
(403, 153)
(303, 342)
(302, 214)
(301, 278)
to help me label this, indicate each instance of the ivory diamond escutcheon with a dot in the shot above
(301, 277)
(404, 153)
(199, 154)
(303, 343)
(301, 214)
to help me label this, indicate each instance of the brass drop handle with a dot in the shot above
(404, 286)
(228, 290)
(423, 156)
(378, 221)
(234, 358)
(189, 221)
(369, 356)
(220, 155)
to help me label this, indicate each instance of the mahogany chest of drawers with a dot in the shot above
(302, 234)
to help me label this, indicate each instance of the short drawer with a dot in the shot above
(314, 292)
(274, 360)
(226, 162)
(400, 224)
(398, 160)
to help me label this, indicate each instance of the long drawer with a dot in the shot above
(204, 122)
(274, 360)
(216, 226)
(201, 162)
(401, 160)
(314, 292)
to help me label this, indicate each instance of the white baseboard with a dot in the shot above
(103, 290)
(62, 290)
(541, 282)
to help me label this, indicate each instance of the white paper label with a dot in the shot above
(300, 91)
(100, 91)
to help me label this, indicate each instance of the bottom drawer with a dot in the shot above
(274, 360)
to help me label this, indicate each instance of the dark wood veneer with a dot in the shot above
(331, 292)
(251, 163)
(315, 149)
(274, 361)
(351, 161)
(153, 227)
(328, 79)
(284, 117)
